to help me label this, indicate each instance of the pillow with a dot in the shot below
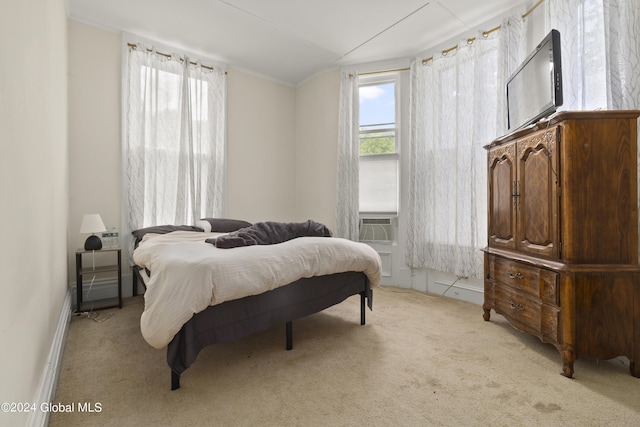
(162, 229)
(204, 224)
(222, 225)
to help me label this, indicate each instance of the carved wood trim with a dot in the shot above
(508, 151)
(546, 139)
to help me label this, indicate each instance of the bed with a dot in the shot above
(197, 294)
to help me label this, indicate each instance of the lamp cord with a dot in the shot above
(97, 317)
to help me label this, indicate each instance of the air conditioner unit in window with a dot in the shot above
(376, 230)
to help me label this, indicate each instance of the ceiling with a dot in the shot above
(291, 40)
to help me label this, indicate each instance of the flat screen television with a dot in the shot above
(534, 90)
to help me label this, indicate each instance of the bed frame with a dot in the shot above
(235, 319)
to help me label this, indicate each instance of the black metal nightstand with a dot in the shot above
(80, 272)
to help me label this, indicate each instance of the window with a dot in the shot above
(174, 139)
(379, 169)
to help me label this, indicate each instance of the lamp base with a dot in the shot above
(93, 243)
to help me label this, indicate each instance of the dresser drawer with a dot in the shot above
(537, 282)
(528, 314)
(518, 308)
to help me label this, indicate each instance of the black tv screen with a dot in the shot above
(534, 90)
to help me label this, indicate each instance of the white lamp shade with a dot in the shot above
(92, 223)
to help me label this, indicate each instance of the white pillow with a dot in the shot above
(205, 225)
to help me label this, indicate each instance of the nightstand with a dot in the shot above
(90, 271)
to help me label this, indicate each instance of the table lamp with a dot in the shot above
(91, 224)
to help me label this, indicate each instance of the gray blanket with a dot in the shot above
(270, 233)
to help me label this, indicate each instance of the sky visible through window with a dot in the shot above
(378, 167)
(377, 104)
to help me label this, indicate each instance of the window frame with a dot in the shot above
(372, 80)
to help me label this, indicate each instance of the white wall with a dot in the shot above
(316, 120)
(94, 133)
(260, 149)
(33, 192)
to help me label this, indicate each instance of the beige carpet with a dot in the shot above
(420, 360)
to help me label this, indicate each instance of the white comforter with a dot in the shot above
(188, 274)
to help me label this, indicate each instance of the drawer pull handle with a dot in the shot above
(514, 306)
(516, 275)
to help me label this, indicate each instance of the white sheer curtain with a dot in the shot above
(456, 109)
(457, 106)
(512, 49)
(174, 139)
(347, 203)
(600, 52)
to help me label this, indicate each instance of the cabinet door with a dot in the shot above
(502, 197)
(537, 189)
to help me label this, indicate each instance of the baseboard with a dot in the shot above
(459, 291)
(49, 380)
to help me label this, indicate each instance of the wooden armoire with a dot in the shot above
(562, 255)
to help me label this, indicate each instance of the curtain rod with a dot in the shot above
(381, 71)
(451, 49)
(484, 33)
(166, 55)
